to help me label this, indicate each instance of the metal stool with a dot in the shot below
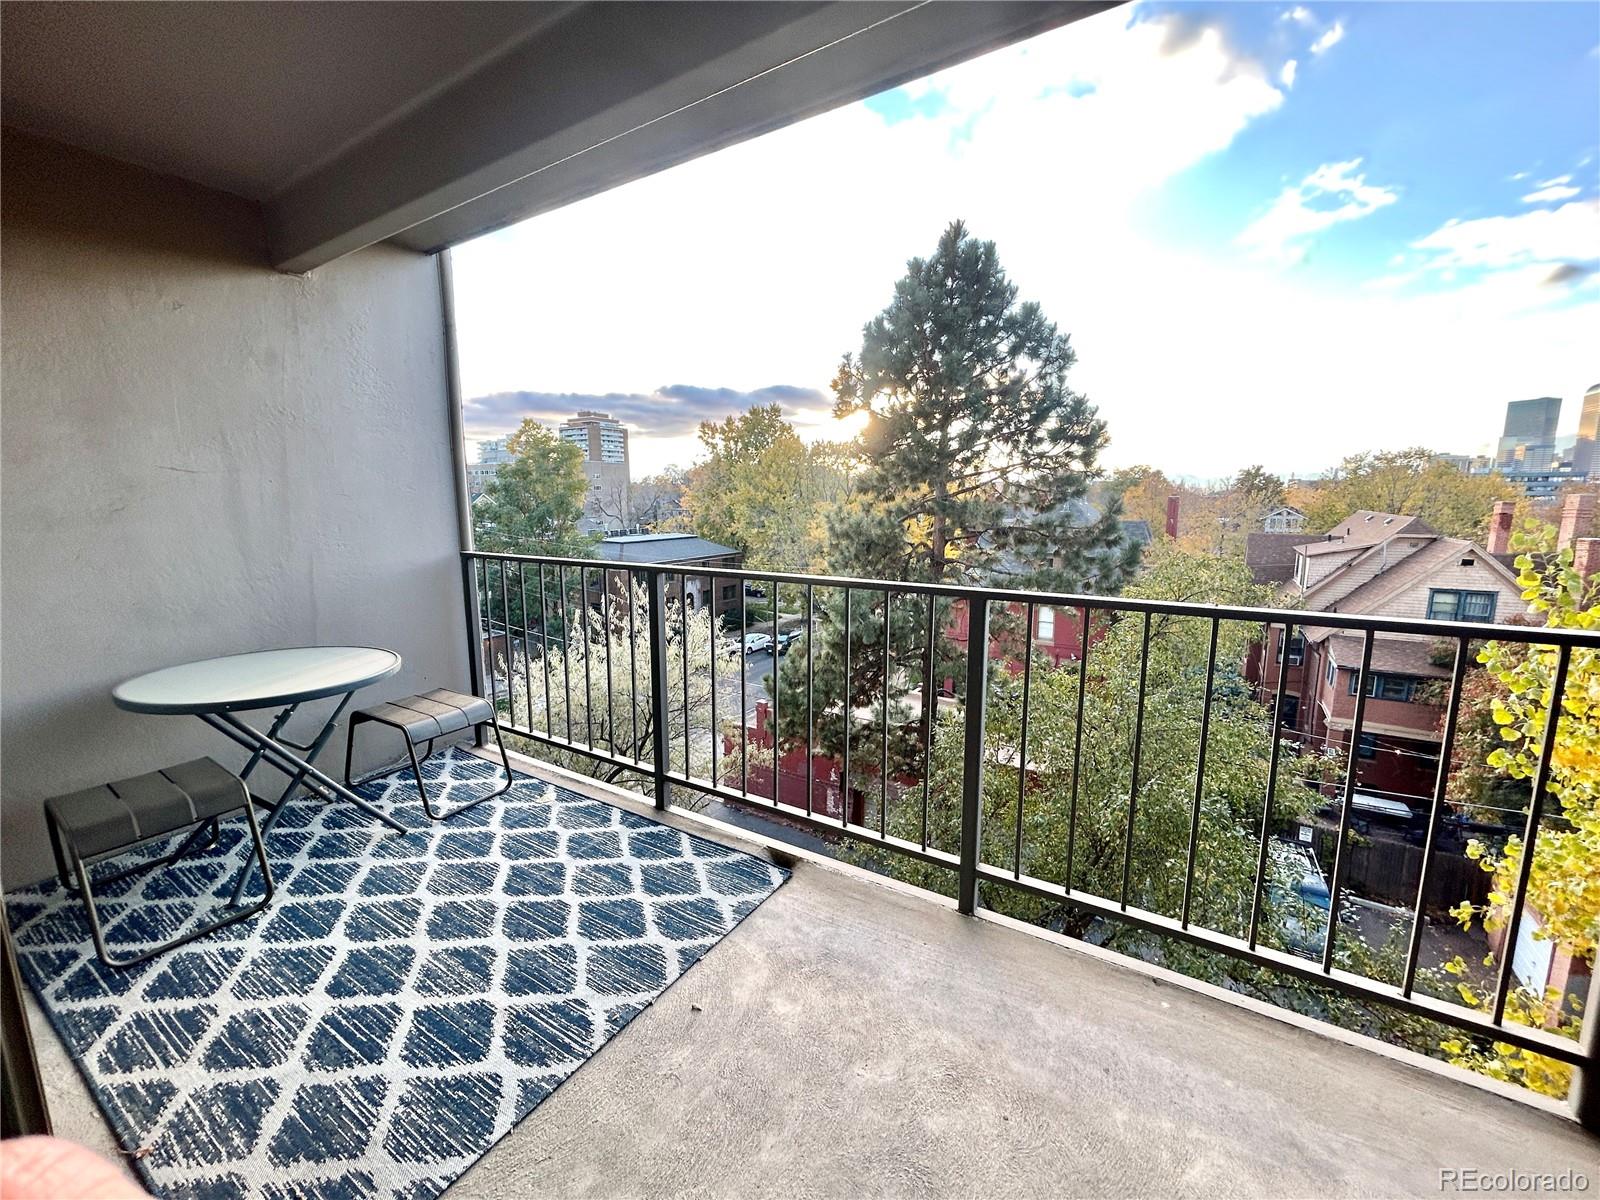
(427, 717)
(101, 821)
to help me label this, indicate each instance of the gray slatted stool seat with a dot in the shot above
(426, 718)
(101, 821)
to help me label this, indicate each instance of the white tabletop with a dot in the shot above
(263, 679)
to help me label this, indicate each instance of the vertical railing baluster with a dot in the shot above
(883, 771)
(1272, 781)
(1530, 833)
(544, 652)
(1138, 746)
(683, 627)
(1077, 749)
(1441, 780)
(1352, 761)
(716, 728)
(973, 752)
(527, 639)
(657, 618)
(1199, 775)
(488, 616)
(588, 648)
(849, 721)
(811, 681)
(929, 710)
(605, 631)
(1022, 750)
(511, 655)
(630, 582)
(744, 688)
(566, 649)
(470, 602)
(777, 778)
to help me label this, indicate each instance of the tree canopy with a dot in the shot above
(762, 490)
(1564, 877)
(977, 456)
(1415, 482)
(974, 467)
(535, 501)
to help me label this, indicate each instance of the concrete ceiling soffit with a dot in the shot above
(615, 91)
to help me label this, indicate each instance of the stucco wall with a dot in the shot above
(200, 457)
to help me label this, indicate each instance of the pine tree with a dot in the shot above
(975, 462)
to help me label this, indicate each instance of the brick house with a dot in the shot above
(1380, 564)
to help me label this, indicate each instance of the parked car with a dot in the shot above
(787, 638)
(1298, 890)
(758, 643)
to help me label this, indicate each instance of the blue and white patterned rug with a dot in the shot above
(404, 1001)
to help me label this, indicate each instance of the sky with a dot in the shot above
(1276, 234)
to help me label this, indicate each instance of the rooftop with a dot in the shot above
(661, 548)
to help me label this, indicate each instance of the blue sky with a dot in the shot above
(1277, 233)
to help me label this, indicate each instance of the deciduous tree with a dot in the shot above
(1415, 482)
(1564, 876)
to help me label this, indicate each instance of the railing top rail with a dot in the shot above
(1577, 638)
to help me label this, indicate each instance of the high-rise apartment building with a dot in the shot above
(1528, 441)
(492, 455)
(604, 443)
(1585, 461)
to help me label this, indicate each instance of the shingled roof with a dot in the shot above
(1270, 556)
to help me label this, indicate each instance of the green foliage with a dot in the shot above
(762, 490)
(1089, 791)
(1564, 875)
(1259, 488)
(976, 454)
(1413, 482)
(975, 462)
(534, 503)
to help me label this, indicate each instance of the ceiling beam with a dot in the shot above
(615, 91)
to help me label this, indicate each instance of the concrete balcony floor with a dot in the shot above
(853, 1038)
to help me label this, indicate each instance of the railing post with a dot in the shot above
(656, 584)
(1585, 1097)
(972, 753)
(469, 599)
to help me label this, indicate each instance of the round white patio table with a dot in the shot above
(217, 689)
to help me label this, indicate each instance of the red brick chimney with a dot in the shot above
(1500, 527)
(1577, 519)
(1172, 517)
(1586, 557)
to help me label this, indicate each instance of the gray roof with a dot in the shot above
(661, 548)
(1270, 556)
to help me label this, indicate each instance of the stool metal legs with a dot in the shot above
(80, 871)
(416, 764)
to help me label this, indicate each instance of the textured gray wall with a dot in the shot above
(200, 457)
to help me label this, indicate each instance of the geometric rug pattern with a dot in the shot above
(403, 1002)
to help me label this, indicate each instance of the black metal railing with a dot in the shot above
(645, 638)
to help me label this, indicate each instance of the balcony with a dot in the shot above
(629, 657)
(867, 1039)
(204, 455)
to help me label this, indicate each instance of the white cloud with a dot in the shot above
(1329, 38)
(1299, 14)
(758, 265)
(1555, 182)
(1286, 75)
(1570, 233)
(1550, 192)
(1332, 194)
